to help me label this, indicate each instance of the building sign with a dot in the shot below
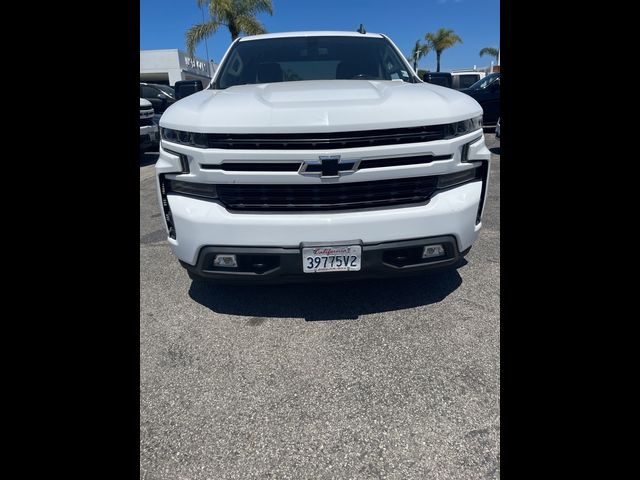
(195, 65)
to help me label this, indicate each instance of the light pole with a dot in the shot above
(206, 46)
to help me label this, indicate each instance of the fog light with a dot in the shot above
(225, 261)
(432, 251)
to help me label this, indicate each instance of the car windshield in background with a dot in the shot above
(485, 82)
(168, 90)
(311, 58)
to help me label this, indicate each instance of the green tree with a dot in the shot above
(239, 16)
(493, 52)
(419, 51)
(444, 38)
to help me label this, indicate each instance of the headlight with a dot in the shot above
(169, 135)
(191, 139)
(463, 127)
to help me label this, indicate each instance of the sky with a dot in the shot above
(163, 24)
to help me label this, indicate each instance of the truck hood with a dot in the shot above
(145, 103)
(319, 106)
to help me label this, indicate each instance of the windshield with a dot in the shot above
(166, 89)
(485, 82)
(311, 58)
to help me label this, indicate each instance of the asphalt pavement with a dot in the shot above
(392, 379)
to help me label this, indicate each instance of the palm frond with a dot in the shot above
(443, 38)
(493, 52)
(199, 32)
(249, 25)
(219, 9)
(451, 40)
(419, 50)
(237, 15)
(259, 6)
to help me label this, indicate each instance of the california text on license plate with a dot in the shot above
(345, 258)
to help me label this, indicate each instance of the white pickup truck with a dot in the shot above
(148, 129)
(320, 156)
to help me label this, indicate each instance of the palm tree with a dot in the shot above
(237, 15)
(442, 39)
(489, 51)
(419, 50)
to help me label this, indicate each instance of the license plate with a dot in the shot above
(345, 258)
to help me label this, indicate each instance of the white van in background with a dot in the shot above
(465, 78)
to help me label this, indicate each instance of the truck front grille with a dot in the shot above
(335, 196)
(324, 141)
(294, 166)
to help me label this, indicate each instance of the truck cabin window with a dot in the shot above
(311, 58)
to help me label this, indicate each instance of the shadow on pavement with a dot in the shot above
(148, 158)
(495, 150)
(333, 301)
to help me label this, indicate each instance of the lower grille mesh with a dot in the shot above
(334, 196)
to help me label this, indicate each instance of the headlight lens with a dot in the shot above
(183, 137)
(169, 135)
(465, 126)
(192, 139)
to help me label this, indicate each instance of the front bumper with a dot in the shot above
(284, 265)
(202, 223)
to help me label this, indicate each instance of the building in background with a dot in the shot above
(166, 67)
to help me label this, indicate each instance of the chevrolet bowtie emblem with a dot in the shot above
(328, 166)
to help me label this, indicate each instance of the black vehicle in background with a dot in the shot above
(160, 96)
(444, 79)
(487, 93)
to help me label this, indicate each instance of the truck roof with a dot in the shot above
(309, 34)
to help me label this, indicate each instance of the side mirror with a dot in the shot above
(184, 88)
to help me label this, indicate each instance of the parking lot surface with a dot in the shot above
(394, 379)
